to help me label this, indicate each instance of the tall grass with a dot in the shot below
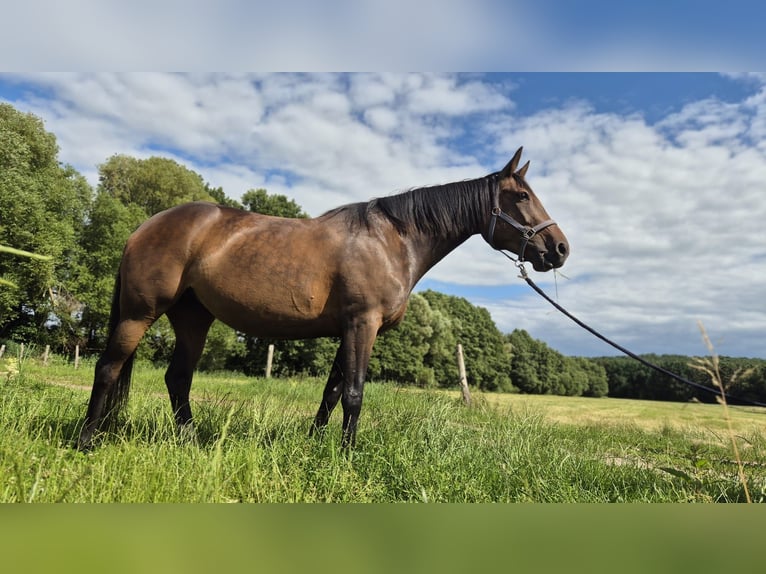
(710, 366)
(252, 445)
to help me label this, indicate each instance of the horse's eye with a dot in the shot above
(522, 196)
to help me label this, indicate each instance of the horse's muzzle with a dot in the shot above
(552, 258)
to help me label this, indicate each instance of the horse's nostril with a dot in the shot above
(562, 248)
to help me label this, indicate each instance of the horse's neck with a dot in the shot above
(427, 251)
(429, 244)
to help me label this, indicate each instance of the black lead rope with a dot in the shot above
(622, 349)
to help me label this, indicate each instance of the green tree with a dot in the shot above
(221, 198)
(597, 386)
(19, 253)
(630, 379)
(312, 357)
(538, 369)
(441, 357)
(43, 207)
(399, 354)
(224, 349)
(260, 201)
(154, 184)
(745, 378)
(486, 355)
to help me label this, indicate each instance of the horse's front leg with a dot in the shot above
(357, 345)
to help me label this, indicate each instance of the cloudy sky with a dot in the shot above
(658, 180)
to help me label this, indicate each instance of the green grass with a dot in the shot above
(413, 446)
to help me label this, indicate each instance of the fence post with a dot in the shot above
(76, 356)
(2, 351)
(21, 352)
(463, 376)
(269, 360)
(45, 354)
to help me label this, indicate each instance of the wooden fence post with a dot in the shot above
(45, 355)
(2, 351)
(76, 356)
(269, 360)
(463, 376)
(21, 352)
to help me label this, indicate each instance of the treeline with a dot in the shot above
(50, 209)
(742, 378)
(538, 369)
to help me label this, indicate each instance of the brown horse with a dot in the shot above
(347, 274)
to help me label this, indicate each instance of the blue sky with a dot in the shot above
(653, 95)
(657, 179)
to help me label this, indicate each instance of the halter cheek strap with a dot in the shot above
(527, 233)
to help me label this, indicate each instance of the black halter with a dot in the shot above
(527, 232)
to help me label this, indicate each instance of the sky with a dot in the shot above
(657, 177)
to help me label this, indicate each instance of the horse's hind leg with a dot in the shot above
(332, 393)
(111, 381)
(191, 322)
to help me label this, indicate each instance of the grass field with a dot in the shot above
(252, 445)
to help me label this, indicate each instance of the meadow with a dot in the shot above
(252, 445)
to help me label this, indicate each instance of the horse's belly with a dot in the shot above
(272, 310)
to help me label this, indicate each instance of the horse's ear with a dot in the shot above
(523, 171)
(513, 164)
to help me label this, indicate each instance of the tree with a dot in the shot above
(744, 378)
(486, 356)
(312, 357)
(538, 369)
(154, 184)
(399, 354)
(43, 207)
(19, 253)
(259, 201)
(221, 198)
(224, 348)
(525, 369)
(598, 385)
(630, 379)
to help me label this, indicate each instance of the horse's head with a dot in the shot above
(519, 222)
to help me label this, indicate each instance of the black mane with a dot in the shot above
(447, 209)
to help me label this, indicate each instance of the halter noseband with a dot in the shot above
(527, 232)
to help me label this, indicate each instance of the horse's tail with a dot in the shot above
(117, 396)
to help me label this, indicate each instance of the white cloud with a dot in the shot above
(369, 90)
(382, 119)
(441, 95)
